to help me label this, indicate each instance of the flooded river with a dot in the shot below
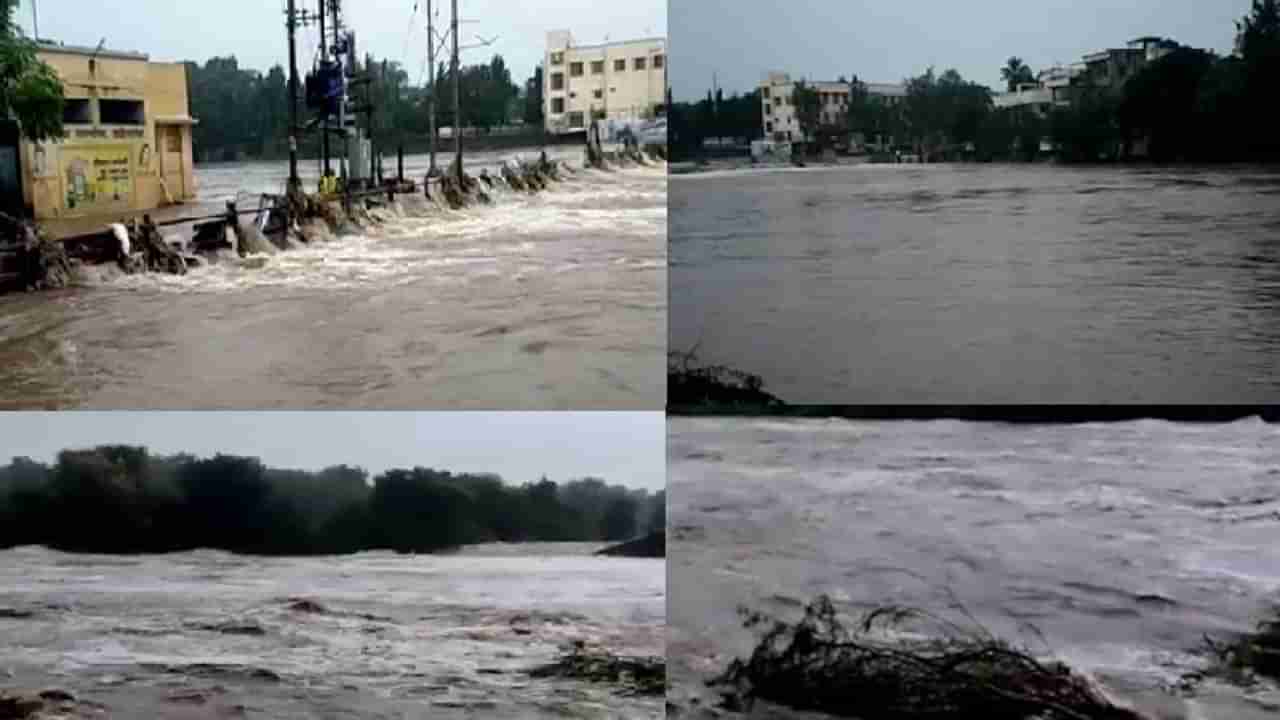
(961, 284)
(1123, 545)
(211, 635)
(549, 301)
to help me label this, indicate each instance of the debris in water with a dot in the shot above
(1249, 657)
(639, 675)
(869, 671)
(653, 545)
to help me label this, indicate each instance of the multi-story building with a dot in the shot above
(615, 81)
(127, 147)
(781, 124)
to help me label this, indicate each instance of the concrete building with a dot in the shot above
(779, 112)
(127, 147)
(614, 81)
(1052, 88)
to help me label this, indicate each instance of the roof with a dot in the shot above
(56, 47)
(615, 43)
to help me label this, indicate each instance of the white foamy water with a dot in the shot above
(1122, 544)
(393, 636)
(545, 301)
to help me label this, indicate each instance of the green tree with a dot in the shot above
(1160, 104)
(1015, 73)
(533, 98)
(808, 105)
(31, 93)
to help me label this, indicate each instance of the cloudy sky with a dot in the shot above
(253, 30)
(888, 40)
(622, 448)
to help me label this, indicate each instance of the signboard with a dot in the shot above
(97, 178)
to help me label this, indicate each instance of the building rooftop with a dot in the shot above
(57, 47)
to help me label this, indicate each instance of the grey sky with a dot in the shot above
(253, 30)
(622, 448)
(889, 40)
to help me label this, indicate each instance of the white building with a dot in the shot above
(617, 81)
(779, 112)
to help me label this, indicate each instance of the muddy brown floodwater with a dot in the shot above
(547, 301)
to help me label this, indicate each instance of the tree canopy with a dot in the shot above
(31, 93)
(123, 499)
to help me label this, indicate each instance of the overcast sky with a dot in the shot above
(253, 30)
(622, 448)
(889, 40)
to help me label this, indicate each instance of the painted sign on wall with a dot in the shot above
(97, 177)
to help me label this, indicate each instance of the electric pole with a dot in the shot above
(324, 56)
(292, 24)
(35, 19)
(431, 97)
(457, 97)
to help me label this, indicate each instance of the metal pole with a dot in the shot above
(294, 182)
(457, 96)
(324, 55)
(431, 91)
(35, 19)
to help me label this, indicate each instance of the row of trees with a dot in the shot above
(122, 499)
(244, 113)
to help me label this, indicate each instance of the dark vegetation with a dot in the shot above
(245, 114)
(1249, 657)
(867, 671)
(638, 675)
(693, 387)
(120, 499)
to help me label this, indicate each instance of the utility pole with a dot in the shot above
(324, 55)
(35, 19)
(457, 97)
(431, 97)
(292, 24)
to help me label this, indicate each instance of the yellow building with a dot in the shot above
(127, 147)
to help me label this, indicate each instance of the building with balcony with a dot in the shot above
(624, 81)
(127, 147)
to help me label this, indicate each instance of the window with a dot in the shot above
(121, 112)
(557, 106)
(76, 111)
(597, 94)
(557, 58)
(597, 67)
(573, 95)
(659, 61)
(575, 120)
(768, 127)
(768, 109)
(557, 81)
(597, 114)
(575, 69)
(639, 63)
(766, 93)
(619, 65)
(777, 101)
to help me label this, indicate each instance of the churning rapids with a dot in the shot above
(1124, 545)
(547, 301)
(983, 284)
(209, 635)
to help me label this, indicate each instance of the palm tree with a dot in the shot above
(1016, 72)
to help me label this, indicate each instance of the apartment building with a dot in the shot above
(781, 124)
(624, 80)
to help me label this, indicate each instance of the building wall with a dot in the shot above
(778, 110)
(108, 162)
(621, 81)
